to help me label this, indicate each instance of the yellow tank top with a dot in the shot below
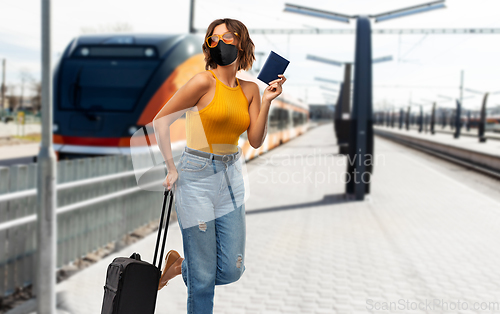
(217, 127)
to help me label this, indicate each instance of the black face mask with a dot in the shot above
(224, 54)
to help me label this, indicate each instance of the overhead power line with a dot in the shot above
(387, 31)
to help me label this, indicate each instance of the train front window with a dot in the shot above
(104, 85)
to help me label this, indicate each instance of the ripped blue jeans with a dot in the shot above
(211, 216)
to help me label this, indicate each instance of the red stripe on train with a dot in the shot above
(92, 141)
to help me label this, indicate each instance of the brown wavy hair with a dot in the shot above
(245, 46)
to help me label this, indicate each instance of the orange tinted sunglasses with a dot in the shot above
(227, 37)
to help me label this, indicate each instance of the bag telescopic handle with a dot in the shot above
(165, 195)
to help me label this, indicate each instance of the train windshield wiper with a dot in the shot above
(77, 95)
(77, 90)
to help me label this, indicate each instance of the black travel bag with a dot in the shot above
(132, 284)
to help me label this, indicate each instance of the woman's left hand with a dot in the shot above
(274, 89)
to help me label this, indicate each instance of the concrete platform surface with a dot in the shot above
(18, 151)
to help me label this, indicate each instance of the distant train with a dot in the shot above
(106, 87)
(492, 123)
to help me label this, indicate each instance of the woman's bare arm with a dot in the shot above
(259, 111)
(186, 97)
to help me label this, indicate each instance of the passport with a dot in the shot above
(274, 65)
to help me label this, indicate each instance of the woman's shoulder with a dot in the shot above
(202, 80)
(248, 85)
(204, 77)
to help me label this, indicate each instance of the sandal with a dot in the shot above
(171, 259)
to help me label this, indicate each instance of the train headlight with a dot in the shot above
(149, 52)
(85, 51)
(55, 127)
(132, 130)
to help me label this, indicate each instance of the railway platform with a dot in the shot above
(423, 240)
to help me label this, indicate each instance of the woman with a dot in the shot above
(222, 107)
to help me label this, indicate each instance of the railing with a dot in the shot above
(98, 202)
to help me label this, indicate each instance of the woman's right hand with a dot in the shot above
(170, 179)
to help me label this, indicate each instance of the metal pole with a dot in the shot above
(482, 121)
(408, 119)
(346, 96)
(361, 138)
(458, 120)
(338, 114)
(3, 85)
(433, 118)
(420, 119)
(461, 87)
(468, 121)
(344, 108)
(401, 113)
(191, 18)
(46, 183)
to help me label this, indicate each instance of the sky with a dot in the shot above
(423, 66)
